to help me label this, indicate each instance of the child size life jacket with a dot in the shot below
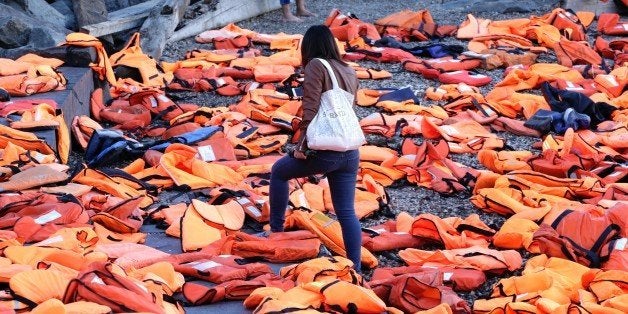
(222, 268)
(283, 247)
(386, 237)
(104, 284)
(473, 257)
(459, 279)
(418, 291)
(232, 290)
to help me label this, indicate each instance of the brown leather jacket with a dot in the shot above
(316, 82)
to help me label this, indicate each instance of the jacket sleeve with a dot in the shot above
(312, 90)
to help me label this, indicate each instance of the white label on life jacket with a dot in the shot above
(621, 244)
(153, 102)
(464, 88)
(205, 265)
(447, 276)
(254, 211)
(520, 296)
(625, 26)
(225, 255)
(449, 129)
(163, 98)
(97, 280)
(440, 61)
(141, 286)
(46, 218)
(220, 81)
(454, 145)
(614, 174)
(207, 153)
(571, 85)
(242, 200)
(324, 220)
(38, 156)
(574, 88)
(611, 79)
(477, 75)
(489, 111)
(400, 232)
(441, 91)
(55, 239)
(303, 200)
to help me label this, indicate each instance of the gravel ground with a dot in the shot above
(404, 196)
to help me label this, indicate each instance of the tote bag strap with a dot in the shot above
(331, 73)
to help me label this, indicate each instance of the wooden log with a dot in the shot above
(227, 11)
(160, 25)
(89, 12)
(121, 20)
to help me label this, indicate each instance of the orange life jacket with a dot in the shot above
(328, 230)
(131, 56)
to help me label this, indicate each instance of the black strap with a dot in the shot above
(560, 218)
(479, 107)
(112, 172)
(24, 300)
(466, 227)
(605, 235)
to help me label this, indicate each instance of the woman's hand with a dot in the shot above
(299, 154)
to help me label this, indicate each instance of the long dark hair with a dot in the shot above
(318, 42)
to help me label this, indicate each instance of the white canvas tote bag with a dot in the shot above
(335, 127)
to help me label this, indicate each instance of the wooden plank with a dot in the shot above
(160, 25)
(227, 11)
(138, 9)
(121, 20)
(595, 6)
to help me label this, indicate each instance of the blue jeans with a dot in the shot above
(284, 2)
(341, 169)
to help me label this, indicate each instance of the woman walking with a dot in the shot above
(324, 70)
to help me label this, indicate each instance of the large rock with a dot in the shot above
(19, 29)
(13, 32)
(114, 5)
(68, 13)
(41, 10)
